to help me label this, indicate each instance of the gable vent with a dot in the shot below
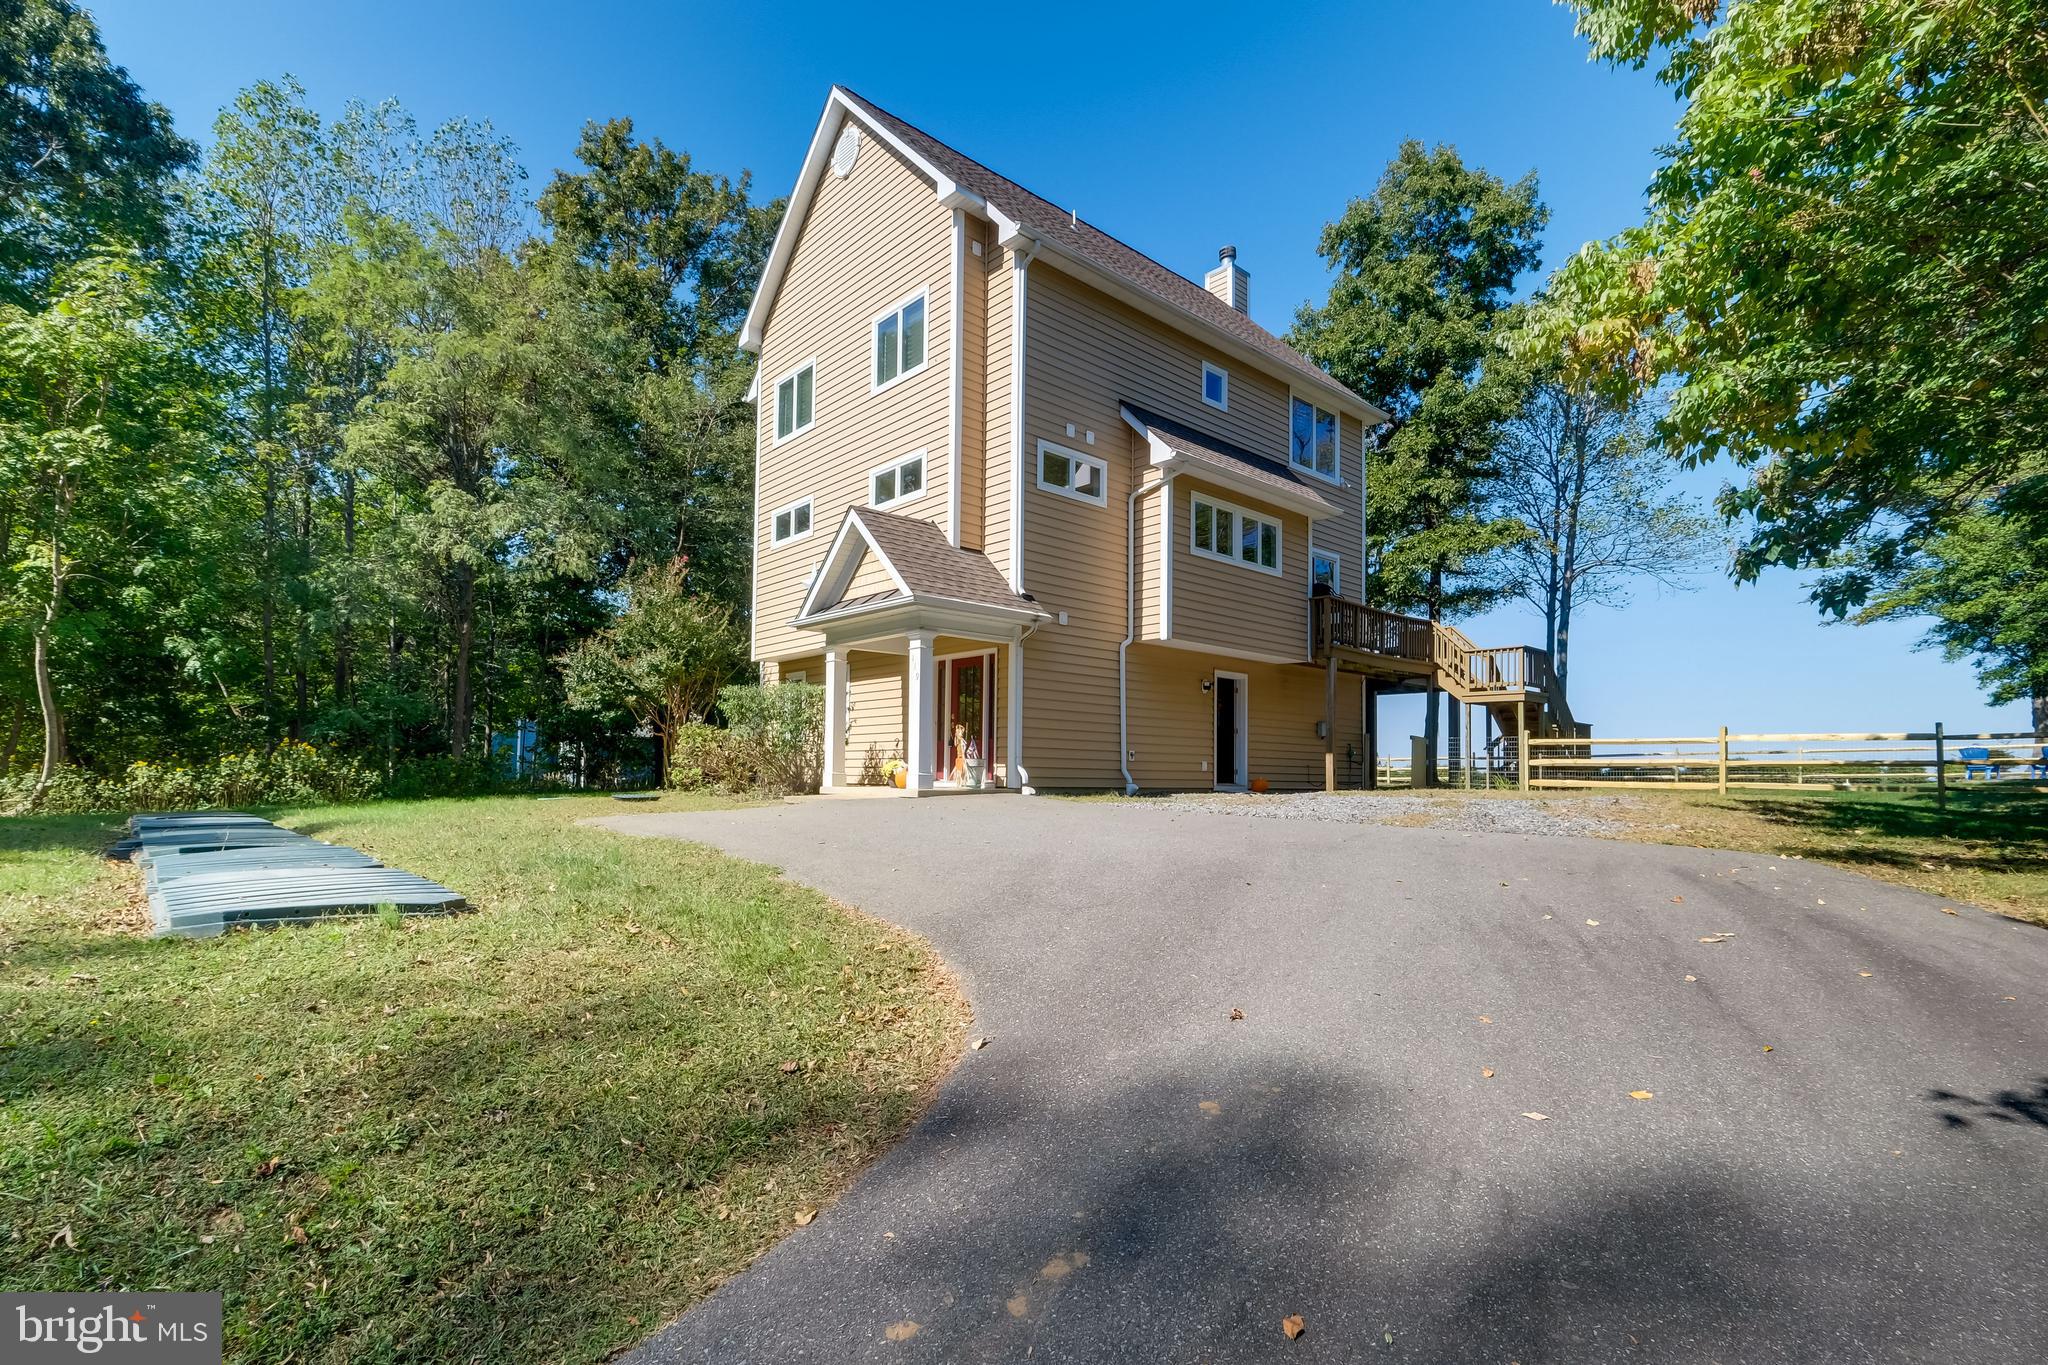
(845, 151)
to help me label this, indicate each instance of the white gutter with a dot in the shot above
(955, 393)
(1123, 685)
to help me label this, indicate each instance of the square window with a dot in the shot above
(899, 341)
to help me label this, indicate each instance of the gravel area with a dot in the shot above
(1473, 814)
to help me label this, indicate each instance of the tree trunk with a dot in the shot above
(2041, 710)
(465, 643)
(344, 671)
(1429, 715)
(13, 740)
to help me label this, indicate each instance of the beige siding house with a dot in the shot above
(1037, 511)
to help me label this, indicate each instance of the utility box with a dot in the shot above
(1418, 761)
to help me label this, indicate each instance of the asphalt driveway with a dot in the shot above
(1845, 1156)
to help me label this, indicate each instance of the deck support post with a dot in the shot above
(1330, 723)
(1721, 779)
(1522, 743)
(1372, 736)
(835, 719)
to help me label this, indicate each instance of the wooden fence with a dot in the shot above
(1933, 760)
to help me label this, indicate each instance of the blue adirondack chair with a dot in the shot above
(1977, 760)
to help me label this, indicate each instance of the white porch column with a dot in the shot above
(921, 706)
(835, 719)
(1016, 777)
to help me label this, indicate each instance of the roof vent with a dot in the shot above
(1228, 282)
(845, 151)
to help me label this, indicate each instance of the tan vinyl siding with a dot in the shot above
(1148, 524)
(998, 436)
(871, 575)
(812, 666)
(1173, 721)
(1234, 607)
(974, 388)
(875, 688)
(868, 241)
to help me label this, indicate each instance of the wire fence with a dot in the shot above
(1933, 760)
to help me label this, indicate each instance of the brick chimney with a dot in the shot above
(1229, 282)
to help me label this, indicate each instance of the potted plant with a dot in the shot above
(974, 765)
(894, 772)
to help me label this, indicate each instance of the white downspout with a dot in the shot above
(1123, 688)
(957, 340)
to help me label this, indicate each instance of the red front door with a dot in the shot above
(963, 717)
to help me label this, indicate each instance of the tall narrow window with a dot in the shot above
(899, 342)
(796, 400)
(1313, 439)
(1215, 386)
(1326, 573)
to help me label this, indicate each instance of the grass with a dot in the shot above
(533, 1132)
(1989, 847)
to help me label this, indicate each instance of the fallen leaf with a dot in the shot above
(980, 1043)
(1594, 922)
(64, 1236)
(269, 1167)
(1717, 938)
(1946, 911)
(900, 1331)
(805, 1217)
(1018, 1306)
(1642, 1094)
(1767, 1047)
(1486, 1072)
(1678, 900)
(1236, 1015)
(1485, 1018)
(788, 1068)
(1692, 978)
(1210, 1107)
(298, 1234)
(1293, 1326)
(2012, 997)
(1863, 973)
(1535, 1117)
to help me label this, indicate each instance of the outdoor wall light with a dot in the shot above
(1207, 684)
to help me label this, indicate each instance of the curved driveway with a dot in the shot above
(1845, 1159)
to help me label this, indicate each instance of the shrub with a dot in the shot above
(780, 731)
(291, 773)
(703, 756)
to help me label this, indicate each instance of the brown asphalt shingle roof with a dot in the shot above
(1076, 235)
(1220, 454)
(930, 566)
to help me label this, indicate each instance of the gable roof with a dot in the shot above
(962, 182)
(1174, 443)
(927, 569)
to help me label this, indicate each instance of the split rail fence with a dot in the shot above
(1891, 761)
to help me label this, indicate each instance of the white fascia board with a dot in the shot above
(1170, 462)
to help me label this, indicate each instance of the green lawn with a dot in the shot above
(1989, 847)
(534, 1132)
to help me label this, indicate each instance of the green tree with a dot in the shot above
(1843, 276)
(662, 659)
(84, 158)
(1580, 474)
(1426, 266)
(93, 401)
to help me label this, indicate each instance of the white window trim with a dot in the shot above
(1223, 374)
(1101, 472)
(1316, 552)
(802, 675)
(1240, 514)
(794, 431)
(915, 457)
(795, 536)
(1309, 469)
(874, 331)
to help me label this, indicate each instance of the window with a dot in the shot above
(899, 342)
(1325, 571)
(1071, 474)
(799, 676)
(792, 522)
(892, 483)
(1314, 440)
(796, 400)
(1235, 536)
(1215, 386)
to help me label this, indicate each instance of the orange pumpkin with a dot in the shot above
(1261, 785)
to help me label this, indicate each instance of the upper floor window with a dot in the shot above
(792, 522)
(796, 400)
(1235, 536)
(899, 341)
(1215, 386)
(893, 483)
(1072, 474)
(1314, 439)
(1326, 572)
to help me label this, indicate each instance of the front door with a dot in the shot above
(963, 718)
(1226, 731)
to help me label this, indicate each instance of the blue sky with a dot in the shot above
(1179, 128)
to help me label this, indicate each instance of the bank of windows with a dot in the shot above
(899, 342)
(1071, 474)
(1312, 440)
(792, 522)
(796, 399)
(1235, 536)
(1326, 574)
(897, 482)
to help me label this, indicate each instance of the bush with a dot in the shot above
(703, 756)
(290, 774)
(779, 731)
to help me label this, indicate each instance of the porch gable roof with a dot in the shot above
(924, 567)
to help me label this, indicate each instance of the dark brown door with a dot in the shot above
(1226, 732)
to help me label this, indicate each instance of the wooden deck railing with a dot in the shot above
(1343, 624)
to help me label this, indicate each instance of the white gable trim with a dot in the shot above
(1170, 462)
(838, 108)
(840, 563)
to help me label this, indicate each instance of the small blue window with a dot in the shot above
(1215, 386)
